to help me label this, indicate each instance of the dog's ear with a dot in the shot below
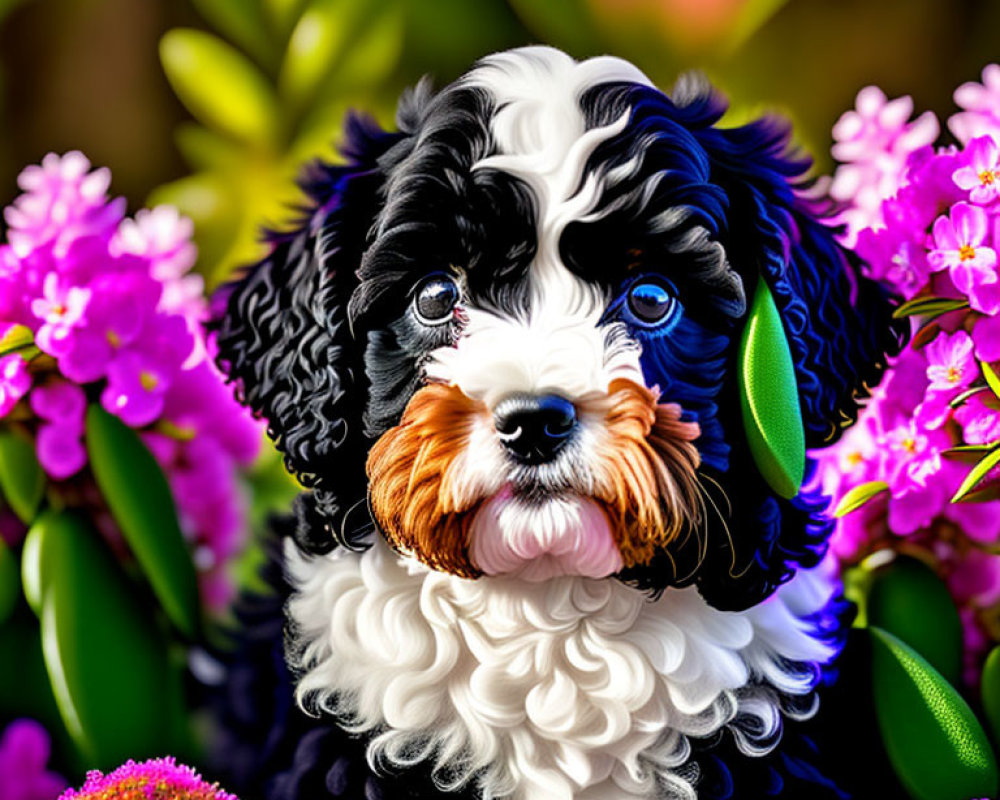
(835, 329)
(284, 339)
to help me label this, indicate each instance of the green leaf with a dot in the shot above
(17, 337)
(322, 38)
(907, 599)
(42, 555)
(22, 481)
(992, 380)
(242, 22)
(929, 307)
(283, 14)
(990, 692)
(960, 399)
(140, 501)
(219, 86)
(109, 667)
(977, 473)
(934, 741)
(10, 583)
(24, 684)
(769, 399)
(858, 496)
(967, 453)
(204, 149)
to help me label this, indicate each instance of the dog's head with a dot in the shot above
(509, 333)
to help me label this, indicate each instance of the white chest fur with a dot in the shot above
(575, 688)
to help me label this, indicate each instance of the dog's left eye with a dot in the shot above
(435, 300)
(650, 302)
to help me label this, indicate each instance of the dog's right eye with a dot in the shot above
(435, 300)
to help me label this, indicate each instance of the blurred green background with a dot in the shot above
(213, 104)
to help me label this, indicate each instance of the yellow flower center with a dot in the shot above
(986, 177)
(954, 374)
(966, 251)
(148, 380)
(855, 458)
(910, 444)
(114, 339)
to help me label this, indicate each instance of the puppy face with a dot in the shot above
(506, 337)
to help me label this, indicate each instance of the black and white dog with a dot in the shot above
(538, 558)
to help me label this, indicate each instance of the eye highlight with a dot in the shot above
(435, 300)
(650, 302)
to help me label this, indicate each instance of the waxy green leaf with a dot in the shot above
(140, 501)
(109, 666)
(22, 481)
(17, 338)
(858, 496)
(769, 398)
(907, 599)
(990, 692)
(929, 307)
(10, 583)
(934, 741)
(992, 380)
(976, 474)
(219, 85)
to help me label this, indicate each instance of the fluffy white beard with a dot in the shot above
(572, 688)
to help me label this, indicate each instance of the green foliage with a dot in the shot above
(976, 474)
(140, 501)
(990, 692)
(929, 307)
(115, 684)
(22, 482)
(266, 102)
(907, 599)
(858, 496)
(769, 397)
(10, 584)
(934, 741)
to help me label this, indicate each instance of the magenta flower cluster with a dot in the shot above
(157, 779)
(115, 317)
(926, 220)
(24, 756)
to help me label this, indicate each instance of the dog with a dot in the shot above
(538, 556)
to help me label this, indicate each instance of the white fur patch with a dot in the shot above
(575, 688)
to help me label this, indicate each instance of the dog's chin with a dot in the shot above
(539, 538)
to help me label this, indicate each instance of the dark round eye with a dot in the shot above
(435, 300)
(650, 301)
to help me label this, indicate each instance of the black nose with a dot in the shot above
(534, 428)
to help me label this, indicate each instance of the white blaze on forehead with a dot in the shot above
(541, 137)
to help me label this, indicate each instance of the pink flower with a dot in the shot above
(60, 450)
(14, 382)
(950, 363)
(61, 203)
(61, 402)
(161, 235)
(959, 247)
(986, 335)
(979, 417)
(136, 388)
(60, 308)
(158, 777)
(24, 754)
(981, 102)
(982, 176)
(916, 456)
(874, 141)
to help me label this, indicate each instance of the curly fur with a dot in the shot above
(596, 702)
(545, 190)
